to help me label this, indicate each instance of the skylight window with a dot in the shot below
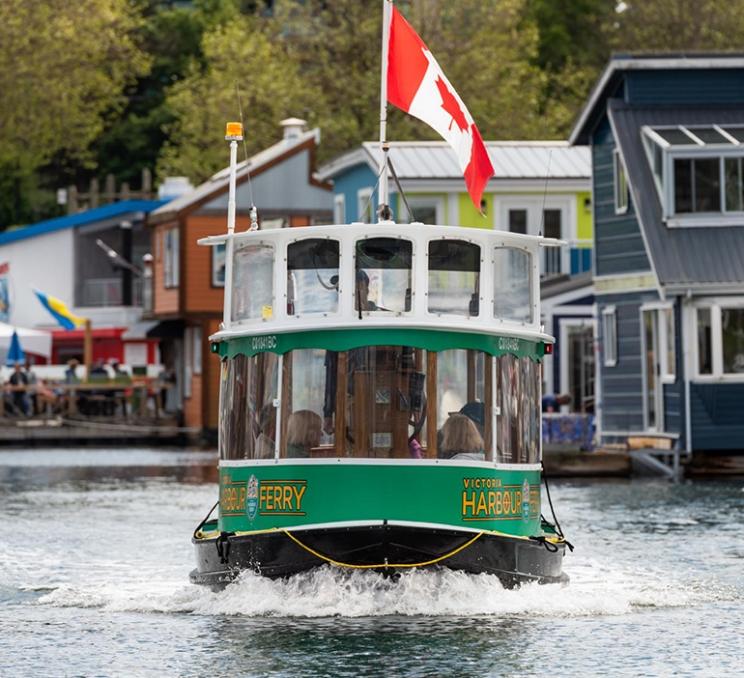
(698, 172)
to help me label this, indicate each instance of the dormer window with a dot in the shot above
(698, 173)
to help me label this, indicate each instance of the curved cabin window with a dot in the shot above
(247, 407)
(308, 389)
(463, 405)
(383, 275)
(253, 282)
(512, 297)
(454, 277)
(312, 276)
(519, 435)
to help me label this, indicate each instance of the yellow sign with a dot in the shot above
(487, 499)
(267, 312)
(265, 497)
(281, 497)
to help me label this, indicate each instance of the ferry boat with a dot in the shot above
(380, 400)
(380, 404)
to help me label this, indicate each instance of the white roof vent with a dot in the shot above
(293, 127)
(174, 187)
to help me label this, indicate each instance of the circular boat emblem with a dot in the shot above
(251, 503)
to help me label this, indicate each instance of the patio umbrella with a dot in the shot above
(15, 351)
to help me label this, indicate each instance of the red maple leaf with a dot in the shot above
(449, 104)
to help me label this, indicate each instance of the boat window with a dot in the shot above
(512, 298)
(463, 393)
(308, 380)
(253, 282)
(248, 407)
(383, 275)
(518, 436)
(375, 402)
(454, 277)
(312, 276)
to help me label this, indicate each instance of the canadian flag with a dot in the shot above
(417, 85)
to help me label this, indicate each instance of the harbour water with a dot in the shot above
(95, 553)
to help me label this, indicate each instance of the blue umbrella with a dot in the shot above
(15, 352)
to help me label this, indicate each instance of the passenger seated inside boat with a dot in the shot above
(264, 445)
(461, 440)
(303, 433)
(362, 293)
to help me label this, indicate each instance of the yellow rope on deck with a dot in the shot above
(337, 563)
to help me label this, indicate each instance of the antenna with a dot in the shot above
(545, 193)
(254, 211)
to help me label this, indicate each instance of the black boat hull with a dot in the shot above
(275, 554)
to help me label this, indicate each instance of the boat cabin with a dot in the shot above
(383, 341)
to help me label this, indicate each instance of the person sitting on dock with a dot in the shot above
(19, 381)
(461, 440)
(303, 433)
(552, 403)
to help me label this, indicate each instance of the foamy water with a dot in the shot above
(95, 570)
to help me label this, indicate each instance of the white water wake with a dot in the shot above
(594, 591)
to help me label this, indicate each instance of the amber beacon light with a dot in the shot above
(234, 131)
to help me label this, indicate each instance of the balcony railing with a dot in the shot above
(574, 259)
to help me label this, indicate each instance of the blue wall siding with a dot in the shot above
(353, 180)
(694, 86)
(618, 242)
(622, 385)
(717, 421)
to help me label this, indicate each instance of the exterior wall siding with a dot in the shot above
(618, 243)
(690, 87)
(622, 384)
(45, 263)
(717, 422)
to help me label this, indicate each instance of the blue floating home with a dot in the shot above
(667, 140)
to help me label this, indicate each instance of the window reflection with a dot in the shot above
(383, 275)
(312, 276)
(247, 407)
(253, 282)
(512, 281)
(454, 277)
(382, 402)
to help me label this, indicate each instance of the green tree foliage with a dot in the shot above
(678, 25)
(240, 52)
(63, 66)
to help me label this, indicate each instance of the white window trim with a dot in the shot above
(671, 153)
(609, 314)
(667, 376)
(196, 336)
(618, 166)
(339, 208)
(171, 257)
(716, 341)
(364, 196)
(534, 204)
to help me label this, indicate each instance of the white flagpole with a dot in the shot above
(383, 213)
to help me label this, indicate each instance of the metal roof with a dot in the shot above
(436, 160)
(642, 62)
(220, 180)
(81, 218)
(689, 256)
